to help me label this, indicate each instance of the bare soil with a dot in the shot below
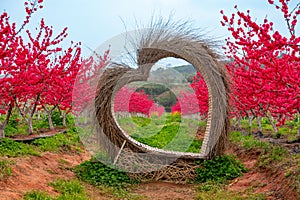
(273, 183)
(36, 172)
(166, 191)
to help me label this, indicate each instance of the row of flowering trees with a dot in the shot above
(38, 75)
(127, 100)
(264, 67)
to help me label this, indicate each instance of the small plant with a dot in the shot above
(5, 169)
(10, 130)
(96, 173)
(220, 169)
(70, 120)
(68, 190)
(37, 195)
(57, 118)
(210, 186)
(71, 189)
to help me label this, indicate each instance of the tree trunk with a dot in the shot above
(64, 117)
(30, 127)
(272, 124)
(250, 120)
(50, 121)
(238, 122)
(258, 119)
(2, 135)
(39, 116)
(2, 126)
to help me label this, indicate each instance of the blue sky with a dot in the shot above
(95, 21)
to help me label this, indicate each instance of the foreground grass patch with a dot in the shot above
(68, 141)
(96, 173)
(68, 190)
(220, 169)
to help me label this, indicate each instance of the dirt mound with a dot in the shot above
(273, 183)
(35, 173)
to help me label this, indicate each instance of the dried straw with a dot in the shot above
(162, 40)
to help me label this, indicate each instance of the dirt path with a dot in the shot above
(35, 173)
(166, 191)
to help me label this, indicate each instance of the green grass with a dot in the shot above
(220, 169)
(68, 190)
(37, 195)
(169, 132)
(289, 128)
(17, 126)
(10, 148)
(60, 142)
(96, 173)
(195, 147)
(68, 141)
(248, 141)
(271, 153)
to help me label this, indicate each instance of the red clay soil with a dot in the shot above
(166, 191)
(272, 183)
(35, 173)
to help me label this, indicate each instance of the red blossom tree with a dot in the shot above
(38, 79)
(11, 52)
(37, 73)
(265, 64)
(193, 103)
(59, 84)
(85, 85)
